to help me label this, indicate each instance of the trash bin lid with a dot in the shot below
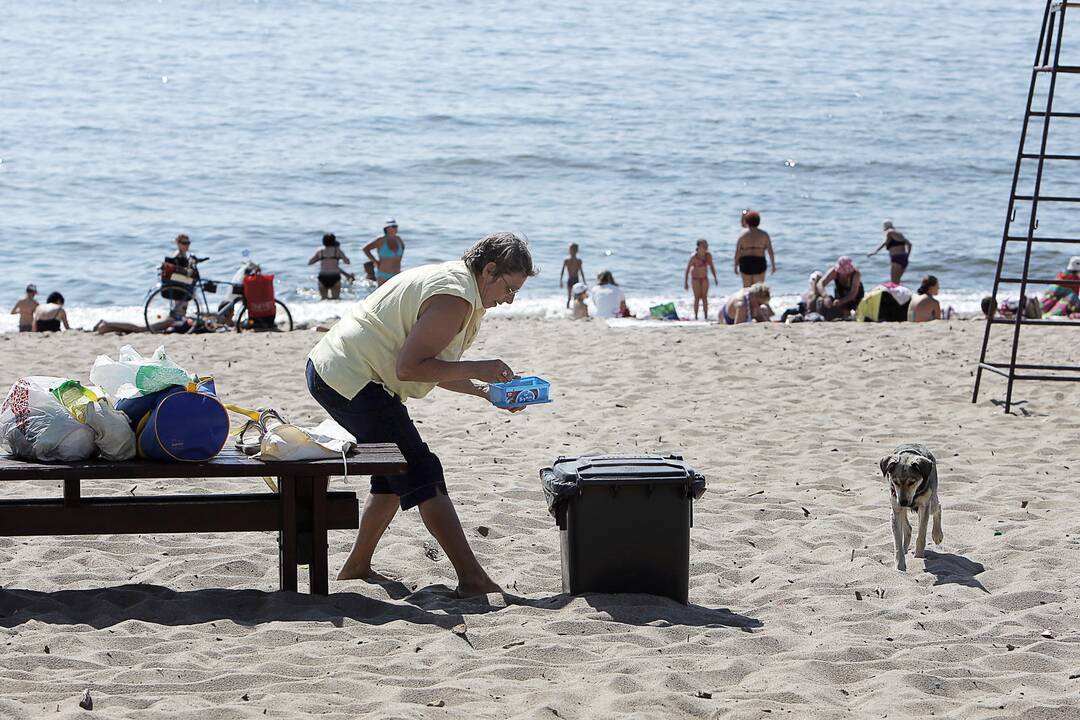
(568, 475)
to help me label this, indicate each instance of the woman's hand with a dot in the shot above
(493, 371)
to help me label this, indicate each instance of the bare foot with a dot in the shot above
(479, 587)
(361, 572)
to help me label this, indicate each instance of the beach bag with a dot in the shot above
(664, 311)
(35, 425)
(259, 296)
(187, 424)
(131, 374)
(113, 436)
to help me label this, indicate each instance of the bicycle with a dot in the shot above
(180, 305)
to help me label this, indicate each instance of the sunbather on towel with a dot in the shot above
(401, 342)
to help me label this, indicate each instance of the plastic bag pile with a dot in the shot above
(134, 406)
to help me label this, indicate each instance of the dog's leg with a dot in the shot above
(898, 536)
(920, 541)
(905, 529)
(936, 509)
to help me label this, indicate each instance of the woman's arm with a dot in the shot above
(63, 318)
(823, 283)
(377, 242)
(772, 257)
(686, 275)
(343, 257)
(466, 387)
(315, 258)
(713, 268)
(878, 248)
(738, 251)
(441, 318)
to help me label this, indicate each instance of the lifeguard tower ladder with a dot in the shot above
(1047, 64)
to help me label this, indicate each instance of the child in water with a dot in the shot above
(575, 272)
(697, 271)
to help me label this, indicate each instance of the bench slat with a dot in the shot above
(370, 459)
(165, 514)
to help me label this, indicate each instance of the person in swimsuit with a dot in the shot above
(924, 306)
(899, 250)
(50, 316)
(750, 250)
(697, 270)
(329, 257)
(575, 272)
(747, 305)
(25, 308)
(848, 288)
(391, 248)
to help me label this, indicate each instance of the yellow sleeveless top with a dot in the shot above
(363, 346)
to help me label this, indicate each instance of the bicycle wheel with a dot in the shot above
(282, 321)
(171, 308)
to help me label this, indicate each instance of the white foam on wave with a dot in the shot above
(307, 312)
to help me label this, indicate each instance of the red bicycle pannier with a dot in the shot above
(259, 296)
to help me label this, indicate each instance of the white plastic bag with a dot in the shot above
(132, 375)
(34, 425)
(113, 436)
(289, 442)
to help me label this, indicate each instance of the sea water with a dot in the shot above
(630, 128)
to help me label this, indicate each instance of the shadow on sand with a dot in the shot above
(436, 605)
(953, 569)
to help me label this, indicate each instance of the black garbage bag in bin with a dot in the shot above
(624, 522)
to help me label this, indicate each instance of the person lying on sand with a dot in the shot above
(750, 304)
(401, 342)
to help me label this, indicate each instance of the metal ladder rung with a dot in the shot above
(1029, 366)
(1070, 69)
(1014, 238)
(1043, 114)
(1047, 198)
(1059, 6)
(1030, 321)
(1048, 156)
(1030, 281)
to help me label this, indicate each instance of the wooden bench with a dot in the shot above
(301, 511)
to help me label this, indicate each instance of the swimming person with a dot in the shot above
(925, 306)
(747, 305)
(847, 281)
(50, 316)
(750, 250)
(25, 308)
(899, 250)
(391, 248)
(575, 272)
(697, 269)
(329, 257)
(401, 342)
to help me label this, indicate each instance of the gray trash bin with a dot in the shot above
(624, 522)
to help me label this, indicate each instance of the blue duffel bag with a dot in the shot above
(182, 423)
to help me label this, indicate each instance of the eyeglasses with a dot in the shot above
(510, 291)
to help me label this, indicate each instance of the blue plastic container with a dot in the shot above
(523, 391)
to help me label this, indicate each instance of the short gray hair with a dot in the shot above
(760, 290)
(509, 251)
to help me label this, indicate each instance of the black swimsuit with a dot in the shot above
(329, 279)
(753, 265)
(52, 325)
(900, 259)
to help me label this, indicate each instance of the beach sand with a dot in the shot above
(796, 608)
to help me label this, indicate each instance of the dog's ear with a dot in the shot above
(886, 463)
(924, 466)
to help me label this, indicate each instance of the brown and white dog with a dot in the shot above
(912, 474)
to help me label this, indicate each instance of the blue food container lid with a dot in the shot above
(529, 390)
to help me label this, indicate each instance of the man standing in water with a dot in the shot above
(750, 250)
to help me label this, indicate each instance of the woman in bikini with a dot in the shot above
(697, 270)
(750, 250)
(899, 250)
(747, 305)
(51, 316)
(391, 248)
(329, 257)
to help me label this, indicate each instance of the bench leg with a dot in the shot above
(287, 535)
(318, 571)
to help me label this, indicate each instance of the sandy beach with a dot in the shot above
(796, 608)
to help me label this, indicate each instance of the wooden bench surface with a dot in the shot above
(369, 459)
